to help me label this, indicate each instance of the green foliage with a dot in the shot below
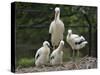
(67, 55)
(26, 62)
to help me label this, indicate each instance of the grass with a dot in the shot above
(30, 62)
(26, 62)
(66, 56)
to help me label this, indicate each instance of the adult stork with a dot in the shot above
(75, 41)
(42, 55)
(56, 29)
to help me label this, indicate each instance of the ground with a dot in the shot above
(82, 63)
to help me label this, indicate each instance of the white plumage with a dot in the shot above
(42, 54)
(56, 57)
(75, 41)
(56, 29)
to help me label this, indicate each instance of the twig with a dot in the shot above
(83, 58)
(76, 65)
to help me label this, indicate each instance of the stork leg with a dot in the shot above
(53, 47)
(73, 53)
(73, 56)
(78, 53)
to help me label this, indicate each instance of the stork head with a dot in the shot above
(61, 43)
(69, 31)
(46, 43)
(57, 12)
(57, 9)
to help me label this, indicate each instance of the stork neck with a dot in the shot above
(57, 16)
(45, 46)
(60, 47)
(69, 35)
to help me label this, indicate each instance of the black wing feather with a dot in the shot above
(37, 56)
(52, 57)
(79, 42)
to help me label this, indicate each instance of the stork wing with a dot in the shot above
(79, 40)
(52, 56)
(38, 54)
(62, 26)
(51, 27)
(75, 36)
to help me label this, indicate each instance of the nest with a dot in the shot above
(82, 63)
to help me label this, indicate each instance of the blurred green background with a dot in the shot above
(32, 27)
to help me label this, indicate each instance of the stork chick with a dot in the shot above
(56, 57)
(42, 54)
(56, 29)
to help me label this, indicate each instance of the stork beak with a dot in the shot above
(49, 46)
(56, 14)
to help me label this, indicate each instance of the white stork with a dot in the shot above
(56, 29)
(56, 57)
(42, 54)
(75, 41)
